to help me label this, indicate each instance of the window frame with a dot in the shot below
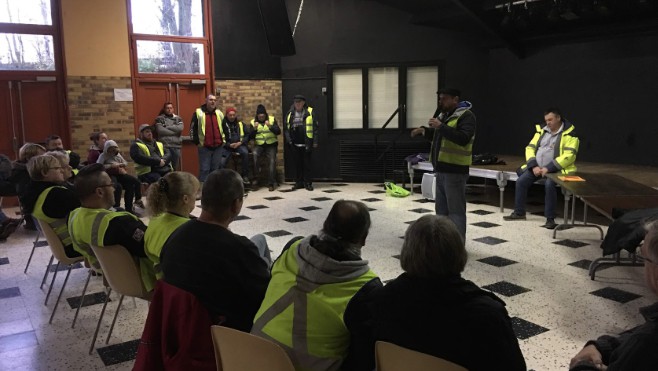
(402, 92)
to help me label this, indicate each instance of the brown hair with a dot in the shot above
(167, 192)
(29, 150)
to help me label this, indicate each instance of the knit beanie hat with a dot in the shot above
(231, 109)
(260, 109)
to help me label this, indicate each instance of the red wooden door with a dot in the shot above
(189, 98)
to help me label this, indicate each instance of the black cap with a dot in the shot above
(450, 91)
(299, 97)
(143, 127)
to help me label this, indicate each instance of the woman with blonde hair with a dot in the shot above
(170, 201)
(20, 177)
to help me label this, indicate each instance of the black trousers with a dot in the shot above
(303, 166)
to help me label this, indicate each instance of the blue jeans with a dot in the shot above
(210, 159)
(524, 183)
(270, 152)
(450, 199)
(175, 157)
(243, 151)
(263, 250)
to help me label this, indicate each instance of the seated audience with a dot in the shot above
(7, 189)
(431, 309)
(325, 274)
(170, 202)
(20, 177)
(236, 135)
(63, 159)
(49, 198)
(54, 143)
(227, 272)
(634, 349)
(93, 223)
(151, 157)
(115, 166)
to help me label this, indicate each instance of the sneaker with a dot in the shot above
(309, 187)
(297, 186)
(139, 203)
(7, 230)
(514, 216)
(550, 224)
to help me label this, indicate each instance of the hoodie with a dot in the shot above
(108, 160)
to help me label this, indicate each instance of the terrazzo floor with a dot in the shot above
(555, 307)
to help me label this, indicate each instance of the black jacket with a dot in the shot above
(154, 160)
(59, 203)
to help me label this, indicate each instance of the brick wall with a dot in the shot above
(92, 108)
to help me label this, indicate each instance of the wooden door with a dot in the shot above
(189, 98)
(39, 111)
(9, 142)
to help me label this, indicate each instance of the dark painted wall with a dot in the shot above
(240, 43)
(607, 88)
(348, 31)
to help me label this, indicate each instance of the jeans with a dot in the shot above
(132, 189)
(270, 152)
(450, 199)
(303, 166)
(243, 151)
(175, 157)
(150, 178)
(210, 159)
(524, 183)
(118, 190)
(263, 250)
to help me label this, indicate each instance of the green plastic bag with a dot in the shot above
(395, 190)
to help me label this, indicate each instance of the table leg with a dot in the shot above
(565, 224)
(501, 180)
(410, 170)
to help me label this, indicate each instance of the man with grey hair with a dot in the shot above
(634, 349)
(430, 308)
(207, 133)
(227, 272)
(324, 278)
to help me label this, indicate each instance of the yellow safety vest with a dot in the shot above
(565, 153)
(309, 122)
(291, 302)
(145, 169)
(159, 230)
(451, 152)
(58, 225)
(263, 133)
(201, 124)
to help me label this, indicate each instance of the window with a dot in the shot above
(170, 57)
(36, 12)
(167, 17)
(365, 97)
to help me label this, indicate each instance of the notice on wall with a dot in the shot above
(123, 95)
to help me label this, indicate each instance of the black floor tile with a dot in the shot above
(525, 329)
(331, 191)
(371, 199)
(490, 240)
(497, 261)
(310, 208)
(477, 202)
(481, 212)
(18, 341)
(423, 201)
(486, 224)
(401, 237)
(90, 299)
(506, 288)
(421, 210)
(257, 207)
(377, 192)
(410, 222)
(4, 261)
(118, 353)
(380, 185)
(286, 190)
(320, 199)
(585, 263)
(241, 217)
(63, 267)
(387, 281)
(42, 243)
(273, 198)
(296, 219)
(277, 233)
(339, 184)
(571, 243)
(10, 292)
(371, 209)
(611, 293)
(396, 257)
(198, 205)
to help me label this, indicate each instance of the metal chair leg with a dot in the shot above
(98, 326)
(61, 291)
(45, 275)
(34, 246)
(107, 341)
(51, 283)
(82, 299)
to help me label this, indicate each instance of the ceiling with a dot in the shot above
(529, 24)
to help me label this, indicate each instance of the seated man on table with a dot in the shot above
(552, 149)
(633, 349)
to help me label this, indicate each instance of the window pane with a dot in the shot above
(26, 52)
(422, 84)
(167, 17)
(26, 12)
(170, 57)
(382, 96)
(348, 99)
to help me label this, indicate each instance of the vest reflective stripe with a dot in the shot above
(564, 153)
(159, 230)
(201, 128)
(309, 122)
(263, 133)
(453, 153)
(58, 225)
(145, 169)
(306, 318)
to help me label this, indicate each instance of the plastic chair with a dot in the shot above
(121, 271)
(57, 249)
(235, 351)
(391, 357)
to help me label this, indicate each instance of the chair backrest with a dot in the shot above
(236, 351)
(120, 270)
(391, 357)
(55, 244)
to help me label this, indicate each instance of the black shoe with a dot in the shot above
(271, 188)
(550, 224)
(308, 186)
(297, 186)
(514, 216)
